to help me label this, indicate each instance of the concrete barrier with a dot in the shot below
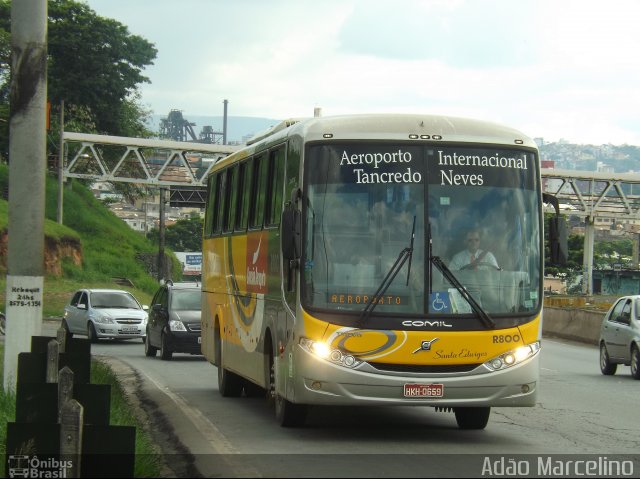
(572, 323)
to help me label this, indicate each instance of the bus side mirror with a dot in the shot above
(291, 238)
(558, 240)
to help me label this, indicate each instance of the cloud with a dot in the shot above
(553, 69)
(479, 34)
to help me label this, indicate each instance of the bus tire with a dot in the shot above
(252, 390)
(288, 414)
(229, 384)
(606, 366)
(472, 417)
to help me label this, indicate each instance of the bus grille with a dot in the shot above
(411, 368)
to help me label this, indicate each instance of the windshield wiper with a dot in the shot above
(446, 272)
(405, 254)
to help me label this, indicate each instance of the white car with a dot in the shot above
(620, 337)
(105, 313)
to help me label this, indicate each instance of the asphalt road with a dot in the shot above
(579, 411)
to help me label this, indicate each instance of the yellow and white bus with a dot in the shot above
(326, 266)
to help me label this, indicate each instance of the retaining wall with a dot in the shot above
(572, 323)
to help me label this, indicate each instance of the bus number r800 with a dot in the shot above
(506, 338)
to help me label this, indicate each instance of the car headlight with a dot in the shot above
(98, 318)
(175, 325)
(322, 350)
(513, 357)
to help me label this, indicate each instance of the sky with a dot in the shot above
(557, 69)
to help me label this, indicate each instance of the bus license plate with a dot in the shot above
(424, 390)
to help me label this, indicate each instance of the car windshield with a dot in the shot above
(113, 299)
(185, 300)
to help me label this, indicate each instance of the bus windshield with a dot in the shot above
(474, 207)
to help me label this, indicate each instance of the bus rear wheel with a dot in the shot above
(288, 414)
(472, 417)
(229, 384)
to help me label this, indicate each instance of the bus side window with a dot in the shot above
(229, 211)
(258, 190)
(275, 181)
(211, 204)
(243, 195)
(219, 202)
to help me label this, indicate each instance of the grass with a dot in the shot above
(146, 464)
(109, 249)
(121, 415)
(7, 412)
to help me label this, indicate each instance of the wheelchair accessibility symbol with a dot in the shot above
(440, 303)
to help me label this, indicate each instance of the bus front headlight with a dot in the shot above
(513, 357)
(323, 350)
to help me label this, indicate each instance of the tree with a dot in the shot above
(95, 62)
(609, 253)
(95, 65)
(184, 235)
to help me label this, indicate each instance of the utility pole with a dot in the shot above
(161, 231)
(224, 123)
(587, 262)
(27, 165)
(61, 165)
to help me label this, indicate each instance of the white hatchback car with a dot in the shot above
(620, 336)
(105, 313)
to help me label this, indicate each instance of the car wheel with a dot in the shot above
(91, 333)
(68, 334)
(149, 351)
(606, 366)
(635, 362)
(472, 417)
(3, 323)
(165, 353)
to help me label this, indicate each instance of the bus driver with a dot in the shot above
(473, 257)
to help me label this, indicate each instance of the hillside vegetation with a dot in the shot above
(110, 248)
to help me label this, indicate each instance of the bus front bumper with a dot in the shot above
(318, 381)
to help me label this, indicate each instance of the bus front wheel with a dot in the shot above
(288, 414)
(472, 417)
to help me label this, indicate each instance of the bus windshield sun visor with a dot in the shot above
(405, 254)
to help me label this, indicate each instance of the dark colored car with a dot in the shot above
(620, 336)
(174, 320)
